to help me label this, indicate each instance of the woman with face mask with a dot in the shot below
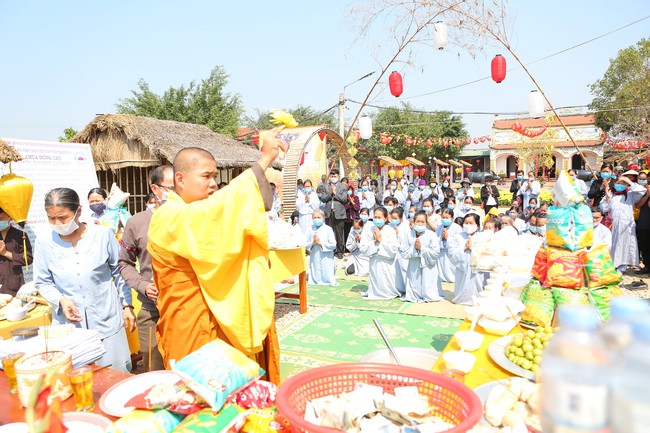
(114, 218)
(445, 231)
(366, 196)
(447, 193)
(469, 282)
(433, 218)
(420, 248)
(402, 228)
(619, 202)
(529, 189)
(307, 202)
(357, 263)
(597, 190)
(76, 271)
(466, 206)
(381, 248)
(321, 245)
(12, 256)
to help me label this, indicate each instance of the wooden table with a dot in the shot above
(39, 316)
(485, 370)
(12, 411)
(284, 265)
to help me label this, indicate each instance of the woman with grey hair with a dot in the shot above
(75, 269)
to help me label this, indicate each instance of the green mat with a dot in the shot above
(328, 335)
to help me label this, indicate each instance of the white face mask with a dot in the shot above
(334, 179)
(470, 230)
(67, 228)
(151, 206)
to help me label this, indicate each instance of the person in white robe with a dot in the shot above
(529, 189)
(421, 248)
(466, 206)
(411, 196)
(364, 216)
(381, 247)
(307, 202)
(402, 227)
(446, 230)
(620, 204)
(465, 190)
(357, 263)
(366, 196)
(392, 191)
(437, 195)
(469, 282)
(425, 192)
(321, 244)
(602, 235)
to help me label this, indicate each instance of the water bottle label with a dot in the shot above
(574, 407)
(630, 415)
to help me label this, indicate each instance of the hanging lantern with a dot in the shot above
(372, 163)
(400, 174)
(429, 143)
(395, 83)
(416, 172)
(16, 196)
(498, 68)
(440, 35)
(391, 173)
(535, 103)
(468, 169)
(365, 127)
(408, 141)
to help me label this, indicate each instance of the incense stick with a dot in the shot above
(46, 331)
(149, 348)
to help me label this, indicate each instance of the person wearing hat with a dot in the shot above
(425, 192)
(12, 256)
(631, 174)
(489, 194)
(465, 190)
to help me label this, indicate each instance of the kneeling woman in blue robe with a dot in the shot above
(321, 244)
(469, 282)
(421, 248)
(381, 247)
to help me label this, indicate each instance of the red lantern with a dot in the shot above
(468, 169)
(429, 143)
(256, 139)
(408, 141)
(416, 172)
(498, 68)
(395, 84)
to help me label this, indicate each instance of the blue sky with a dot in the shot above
(63, 62)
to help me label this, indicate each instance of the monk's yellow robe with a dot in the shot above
(211, 268)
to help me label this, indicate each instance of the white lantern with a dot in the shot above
(365, 127)
(535, 103)
(440, 35)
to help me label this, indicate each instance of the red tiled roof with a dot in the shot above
(244, 133)
(586, 143)
(582, 119)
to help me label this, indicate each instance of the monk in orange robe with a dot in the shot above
(209, 253)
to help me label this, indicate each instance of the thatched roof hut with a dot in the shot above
(8, 153)
(122, 140)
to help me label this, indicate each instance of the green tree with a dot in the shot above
(622, 96)
(204, 103)
(68, 133)
(407, 122)
(304, 115)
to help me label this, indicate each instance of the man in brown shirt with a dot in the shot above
(12, 257)
(134, 247)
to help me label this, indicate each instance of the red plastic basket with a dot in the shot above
(456, 403)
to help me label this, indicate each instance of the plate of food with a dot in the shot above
(510, 404)
(15, 304)
(114, 400)
(85, 422)
(497, 352)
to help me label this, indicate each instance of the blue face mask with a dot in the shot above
(4, 225)
(364, 218)
(349, 192)
(620, 188)
(419, 229)
(411, 188)
(606, 175)
(541, 231)
(520, 177)
(445, 184)
(393, 187)
(358, 231)
(643, 182)
(379, 223)
(451, 206)
(394, 223)
(532, 229)
(389, 208)
(411, 215)
(308, 190)
(427, 209)
(318, 223)
(446, 222)
(364, 188)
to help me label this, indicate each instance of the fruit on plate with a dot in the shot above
(526, 349)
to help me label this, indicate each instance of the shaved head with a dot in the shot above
(187, 159)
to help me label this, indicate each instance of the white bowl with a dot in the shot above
(458, 360)
(469, 340)
(16, 314)
(497, 328)
(410, 356)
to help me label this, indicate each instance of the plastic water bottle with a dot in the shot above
(574, 386)
(630, 409)
(617, 332)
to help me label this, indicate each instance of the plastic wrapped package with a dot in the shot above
(217, 370)
(540, 304)
(564, 269)
(566, 192)
(602, 297)
(570, 296)
(559, 228)
(583, 226)
(540, 265)
(599, 267)
(230, 419)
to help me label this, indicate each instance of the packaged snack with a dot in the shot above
(177, 398)
(602, 296)
(263, 421)
(565, 191)
(144, 421)
(564, 269)
(559, 228)
(216, 370)
(259, 395)
(583, 226)
(540, 265)
(539, 305)
(600, 267)
(230, 418)
(570, 296)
